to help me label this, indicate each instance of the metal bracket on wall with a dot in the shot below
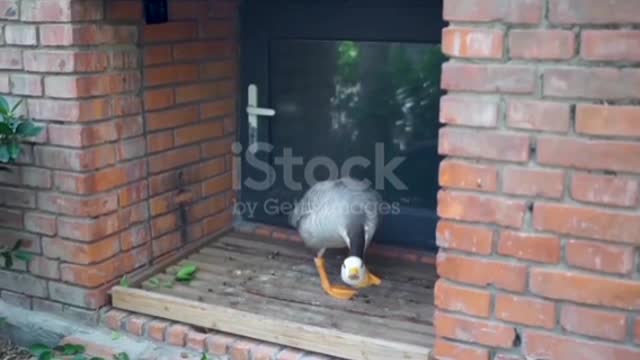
(254, 111)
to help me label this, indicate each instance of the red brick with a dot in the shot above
(182, 10)
(24, 84)
(36, 177)
(186, 51)
(585, 288)
(163, 224)
(216, 148)
(482, 272)
(172, 118)
(196, 341)
(198, 132)
(176, 334)
(101, 180)
(94, 275)
(539, 345)
(585, 321)
(173, 159)
(608, 120)
(611, 45)
(218, 29)
(133, 193)
(88, 229)
(217, 184)
(510, 11)
(204, 170)
(197, 92)
(542, 44)
(89, 86)
(508, 357)
(447, 350)
(81, 135)
(155, 55)
(462, 299)
(600, 257)
(44, 267)
(171, 74)
(219, 344)
(589, 154)
(165, 243)
(87, 34)
(637, 331)
(266, 352)
(169, 32)
(538, 115)
(465, 110)
(40, 223)
(60, 10)
(474, 330)
(79, 296)
(217, 223)
(592, 83)
(136, 324)
(124, 105)
(115, 319)
(241, 349)
(156, 329)
(17, 197)
(160, 141)
(124, 10)
(10, 59)
(217, 108)
(483, 145)
(526, 311)
(9, 9)
(587, 222)
(485, 78)
(69, 110)
(533, 182)
(20, 34)
(65, 61)
(534, 247)
(290, 354)
(206, 208)
(131, 148)
(80, 253)
(72, 159)
(593, 12)
(469, 238)
(479, 208)
(129, 126)
(473, 42)
(217, 69)
(158, 99)
(604, 189)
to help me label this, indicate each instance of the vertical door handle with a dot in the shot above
(254, 111)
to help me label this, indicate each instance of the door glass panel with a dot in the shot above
(369, 101)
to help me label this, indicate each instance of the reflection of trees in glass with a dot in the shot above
(390, 93)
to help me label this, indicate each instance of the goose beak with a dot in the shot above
(354, 274)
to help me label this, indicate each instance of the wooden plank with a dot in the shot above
(226, 319)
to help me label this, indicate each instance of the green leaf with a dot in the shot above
(5, 129)
(4, 153)
(17, 245)
(96, 358)
(14, 150)
(23, 255)
(73, 349)
(121, 356)
(186, 273)
(168, 284)
(15, 107)
(124, 282)
(46, 355)
(79, 357)
(154, 282)
(115, 335)
(4, 105)
(37, 349)
(28, 129)
(205, 356)
(8, 260)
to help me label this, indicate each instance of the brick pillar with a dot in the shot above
(539, 229)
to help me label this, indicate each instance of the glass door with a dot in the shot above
(343, 87)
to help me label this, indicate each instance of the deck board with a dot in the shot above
(278, 280)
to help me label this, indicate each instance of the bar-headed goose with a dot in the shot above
(337, 214)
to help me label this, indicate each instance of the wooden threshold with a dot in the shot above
(269, 290)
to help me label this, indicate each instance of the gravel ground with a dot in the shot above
(9, 351)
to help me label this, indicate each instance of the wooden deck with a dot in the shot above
(269, 290)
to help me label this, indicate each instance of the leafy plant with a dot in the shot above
(124, 282)
(115, 335)
(14, 253)
(156, 283)
(14, 130)
(186, 273)
(205, 356)
(44, 352)
(121, 356)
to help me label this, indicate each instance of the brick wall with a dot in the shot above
(138, 122)
(539, 206)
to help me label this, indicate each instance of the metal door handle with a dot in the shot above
(254, 111)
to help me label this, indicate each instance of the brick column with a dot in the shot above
(539, 229)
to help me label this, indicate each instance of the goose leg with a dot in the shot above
(372, 280)
(336, 291)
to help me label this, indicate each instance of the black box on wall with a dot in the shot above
(156, 11)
